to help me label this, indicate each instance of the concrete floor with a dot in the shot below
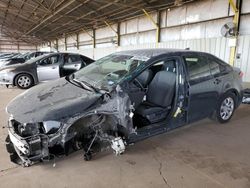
(204, 154)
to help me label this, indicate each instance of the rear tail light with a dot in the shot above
(241, 74)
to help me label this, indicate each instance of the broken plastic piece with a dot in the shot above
(118, 145)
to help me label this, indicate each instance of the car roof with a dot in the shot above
(155, 52)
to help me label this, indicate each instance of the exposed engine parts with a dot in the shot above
(32, 142)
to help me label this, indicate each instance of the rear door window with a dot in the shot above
(198, 68)
(219, 67)
(214, 67)
(72, 59)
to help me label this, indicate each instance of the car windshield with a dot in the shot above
(23, 55)
(110, 70)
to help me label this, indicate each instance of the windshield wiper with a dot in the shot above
(87, 86)
(83, 84)
(72, 80)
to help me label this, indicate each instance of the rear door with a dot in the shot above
(48, 68)
(220, 72)
(201, 88)
(72, 63)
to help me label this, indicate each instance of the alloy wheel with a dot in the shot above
(227, 108)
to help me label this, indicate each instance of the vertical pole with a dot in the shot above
(94, 43)
(57, 44)
(65, 43)
(158, 30)
(94, 39)
(118, 34)
(18, 47)
(237, 11)
(77, 41)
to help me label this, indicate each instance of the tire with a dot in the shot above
(76, 145)
(24, 81)
(9, 146)
(225, 108)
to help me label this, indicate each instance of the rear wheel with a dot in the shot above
(225, 109)
(24, 81)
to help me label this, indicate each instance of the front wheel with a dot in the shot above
(24, 81)
(225, 109)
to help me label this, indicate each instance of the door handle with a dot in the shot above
(53, 67)
(217, 81)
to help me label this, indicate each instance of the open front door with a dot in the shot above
(48, 68)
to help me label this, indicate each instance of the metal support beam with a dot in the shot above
(57, 44)
(115, 31)
(110, 27)
(94, 39)
(237, 11)
(77, 41)
(50, 16)
(65, 43)
(87, 33)
(118, 34)
(159, 26)
(155, 24)
(18, 47)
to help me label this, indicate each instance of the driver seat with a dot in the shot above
(159, 97)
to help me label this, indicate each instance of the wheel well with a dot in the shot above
(14, 80)
(235, 92)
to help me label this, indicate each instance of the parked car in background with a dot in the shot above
(19, 58)
(121, 99)
(42, 68)
(8, 55)
(12, 60)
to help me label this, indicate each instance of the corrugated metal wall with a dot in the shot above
(217, 46)
(194, 25)
(8, 44)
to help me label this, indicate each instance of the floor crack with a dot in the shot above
(160, 172)
(7, 169)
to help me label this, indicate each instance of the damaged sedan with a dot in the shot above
(118, 100)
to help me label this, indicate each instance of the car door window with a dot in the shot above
(214, 67)
(218, 67)
(50, 60)
(72, 59)
(198, 68)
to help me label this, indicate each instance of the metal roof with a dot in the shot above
(35, 21)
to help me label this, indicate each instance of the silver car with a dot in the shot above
(42, 68)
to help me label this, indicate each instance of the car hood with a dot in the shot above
(18, 66)
(52, 101)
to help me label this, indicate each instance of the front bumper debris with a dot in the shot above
(26, 151)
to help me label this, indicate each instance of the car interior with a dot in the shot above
(69, 65)
(159, 85)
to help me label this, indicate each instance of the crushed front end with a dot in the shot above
(29, 143)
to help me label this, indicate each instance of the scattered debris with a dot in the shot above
(246, 96)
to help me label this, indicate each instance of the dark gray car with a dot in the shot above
(42, 68)
(121, 99)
